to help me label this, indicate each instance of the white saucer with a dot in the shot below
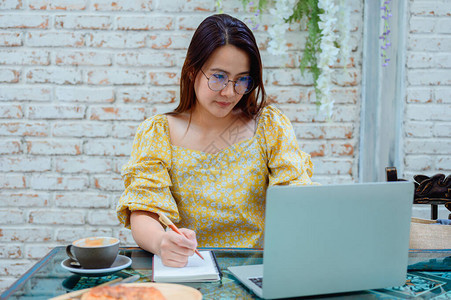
(120, 263)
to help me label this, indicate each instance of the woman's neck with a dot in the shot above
(198, 132)
(210, 123)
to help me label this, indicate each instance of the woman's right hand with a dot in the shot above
(175, 249)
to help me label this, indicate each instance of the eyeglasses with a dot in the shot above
(218, 81)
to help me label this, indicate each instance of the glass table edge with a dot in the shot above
(429, 250)
(35, 268)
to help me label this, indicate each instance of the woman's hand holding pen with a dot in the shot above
(175, 249)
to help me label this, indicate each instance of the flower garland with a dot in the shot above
(384, 37)
(281, 12)
(253, 8)
(323, 18)
(327, 56)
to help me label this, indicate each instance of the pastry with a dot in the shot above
(119, 292)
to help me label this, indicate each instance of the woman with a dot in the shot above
(207, 164)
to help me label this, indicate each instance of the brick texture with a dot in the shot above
(77, 77)
(427, 114)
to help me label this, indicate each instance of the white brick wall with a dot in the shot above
(427, 118)
(77, 77)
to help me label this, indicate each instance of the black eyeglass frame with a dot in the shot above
(249, 89)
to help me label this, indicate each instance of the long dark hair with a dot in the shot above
(214, 32)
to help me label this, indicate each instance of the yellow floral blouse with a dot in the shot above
(220, 196)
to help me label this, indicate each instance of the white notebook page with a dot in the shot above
(196, 270)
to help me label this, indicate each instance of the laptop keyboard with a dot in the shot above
(257, 280)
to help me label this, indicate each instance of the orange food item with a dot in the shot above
(120, 292)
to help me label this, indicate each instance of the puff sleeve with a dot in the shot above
(287, 164)
(146, 178)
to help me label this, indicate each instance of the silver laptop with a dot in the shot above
(332, 239)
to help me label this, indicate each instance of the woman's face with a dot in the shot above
(228, 60)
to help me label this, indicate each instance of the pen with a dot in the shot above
(165, 220)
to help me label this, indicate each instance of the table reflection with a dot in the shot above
(429, 277)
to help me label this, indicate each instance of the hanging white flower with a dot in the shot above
(327, 56)
(282, 10)
(334, 28)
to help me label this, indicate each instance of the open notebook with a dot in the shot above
(197, 270)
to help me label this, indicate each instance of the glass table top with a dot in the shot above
(429, 276)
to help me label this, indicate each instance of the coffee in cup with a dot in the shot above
(94, 252)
